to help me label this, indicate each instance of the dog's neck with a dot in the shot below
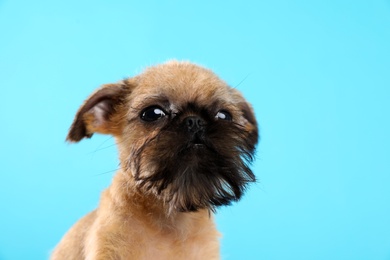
(129, 201)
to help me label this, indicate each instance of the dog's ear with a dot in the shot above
(100, 113)
(249, 120)
(251, 124)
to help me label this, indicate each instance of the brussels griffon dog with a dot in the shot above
(185, 141)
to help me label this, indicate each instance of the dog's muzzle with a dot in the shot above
(195, 126)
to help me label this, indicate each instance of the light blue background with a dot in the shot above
(317, 73)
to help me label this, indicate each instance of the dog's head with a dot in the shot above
(183, 134)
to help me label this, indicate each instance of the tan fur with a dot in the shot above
(130, 223)
(128, 226)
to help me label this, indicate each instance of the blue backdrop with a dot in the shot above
(317, 72)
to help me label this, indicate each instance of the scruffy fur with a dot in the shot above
(185, 140)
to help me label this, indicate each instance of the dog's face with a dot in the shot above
(184, 136)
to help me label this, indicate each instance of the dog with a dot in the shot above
(186, 141)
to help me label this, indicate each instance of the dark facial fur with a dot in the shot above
(201, 166)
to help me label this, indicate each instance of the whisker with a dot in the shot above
(99, 174)
(242, 80)
(98, 148)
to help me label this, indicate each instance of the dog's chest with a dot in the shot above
(200, 242)
(193, 248)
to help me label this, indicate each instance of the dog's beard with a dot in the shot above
(188, 176)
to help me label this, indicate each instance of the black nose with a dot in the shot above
(194, 123)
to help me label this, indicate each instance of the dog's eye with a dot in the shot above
(152, 113)
(223, 115)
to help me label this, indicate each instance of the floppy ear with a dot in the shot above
(100, 113)
(249, 119)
